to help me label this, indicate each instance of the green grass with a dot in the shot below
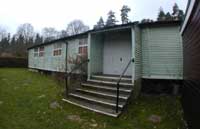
(22, 107)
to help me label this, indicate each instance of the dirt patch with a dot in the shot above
(75, 118)
(155, 119)
(55, 105)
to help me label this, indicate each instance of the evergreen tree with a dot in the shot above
(100, 24)
(38, 39)
(5, 44)
(161, 15)
(13, 45)
(124, 14)
(111, 21)
(181, 15)
(175, 9)
(20, 46)
(146, 20)
(168, 16)
(177, 13)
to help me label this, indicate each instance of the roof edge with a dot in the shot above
(190, 8)
(81, 34)
(159, 23)
(57, 40)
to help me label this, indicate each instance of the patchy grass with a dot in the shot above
(26, 99)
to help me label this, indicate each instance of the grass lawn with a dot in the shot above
(25, 99)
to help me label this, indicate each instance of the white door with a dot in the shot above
(117, 54)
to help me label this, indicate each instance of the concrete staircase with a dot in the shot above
(99, 94)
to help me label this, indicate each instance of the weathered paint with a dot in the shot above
(137, 64)
(89, 56)
(96, 53)
(73, 52)
(162, 52)
(157, 51)
(48, 61)
(137, 53)
(117, 52)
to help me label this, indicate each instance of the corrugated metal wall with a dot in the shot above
(162, 52)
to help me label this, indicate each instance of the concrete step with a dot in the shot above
(107, 103)
(106, 88)
(92, 107)
(111, 83)
(106, 95)
(111, 78)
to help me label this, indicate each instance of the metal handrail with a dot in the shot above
(70, 73)
(118, 82)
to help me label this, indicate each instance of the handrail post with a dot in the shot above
(68, 75)
(66, 84)
(117, 103)
(118, 82)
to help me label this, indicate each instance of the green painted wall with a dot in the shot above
(73, 52)
(48, 61)
(56, 63)
(162, 53)
(138, 53)
(96, 54)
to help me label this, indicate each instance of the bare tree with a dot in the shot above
(63, 33)
(3, 32)
(76, 27)
(49, 33)
(26, 30)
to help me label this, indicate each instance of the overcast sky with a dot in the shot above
(58, 13)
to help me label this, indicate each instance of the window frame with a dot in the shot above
(57, 49)
(41, 51)
(36, 52)
(83, 44)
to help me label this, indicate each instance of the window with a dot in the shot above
(36, 52)
(41, 51)
(83, 47)
(57, 49)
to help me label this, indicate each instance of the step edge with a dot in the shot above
(105, 87)
(114, 78)
(104, 94)
(98, 101)
(95, 110)
(109, 82)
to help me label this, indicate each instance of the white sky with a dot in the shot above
(58, 13)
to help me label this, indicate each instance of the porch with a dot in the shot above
(111, 52)
(111, 72)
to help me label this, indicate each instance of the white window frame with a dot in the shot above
(57, 47)
(36, 52)
(41, 52)
(85, 44)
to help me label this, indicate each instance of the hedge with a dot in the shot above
(13, 62)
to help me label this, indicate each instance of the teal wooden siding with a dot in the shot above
(138, 53)
(162, 56)
(73, 52)
(96, 54)
(48, 61)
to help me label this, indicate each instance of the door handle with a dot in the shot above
(121, 59)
